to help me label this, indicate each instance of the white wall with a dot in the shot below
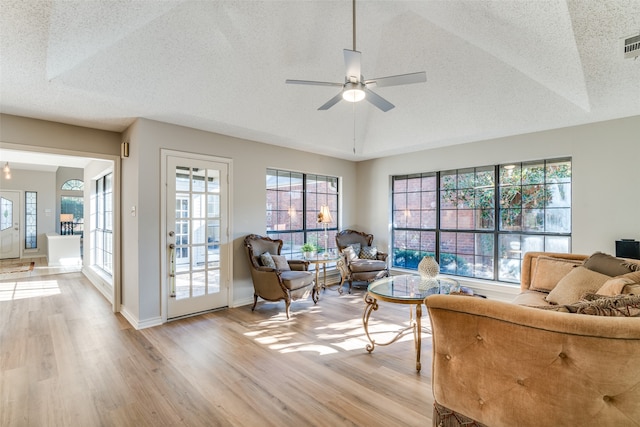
(142, 253)
(605, 177)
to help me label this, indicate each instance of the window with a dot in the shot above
(102, 256)
(73, 184)
(31, 220)
(294, 200)
(73, 205)
(478, 222)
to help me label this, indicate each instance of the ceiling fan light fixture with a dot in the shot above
(353, 93)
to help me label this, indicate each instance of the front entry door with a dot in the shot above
(9, 224)
(197, 236)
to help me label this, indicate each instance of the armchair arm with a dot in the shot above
(268, 282)
(382, 256)
(490, 357)
(299, 264)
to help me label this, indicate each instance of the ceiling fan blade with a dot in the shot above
(378, 101)
(311, 82)
(352, 64)
(402, 79)
(330, 103)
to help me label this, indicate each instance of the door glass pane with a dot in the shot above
(199, 258)
(198, 284)
(199, 205)
(199, 232)
(183, 285)
(213, 282)
(6, 209)
(197, 180)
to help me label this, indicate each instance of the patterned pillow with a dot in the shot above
(369, 252)
(597, 305)
(281, 262)
(267, 260)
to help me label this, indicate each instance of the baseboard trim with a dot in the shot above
(136, 323)
(103, 286)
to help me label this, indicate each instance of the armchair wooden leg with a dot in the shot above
(287, 304)
(255, 301)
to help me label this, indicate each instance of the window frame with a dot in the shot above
(31, 219)
(102, 224)
(410, 240)
(293, 201)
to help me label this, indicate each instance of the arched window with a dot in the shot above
(73, 184)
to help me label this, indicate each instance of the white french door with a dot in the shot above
(9, 224)
(197, 272)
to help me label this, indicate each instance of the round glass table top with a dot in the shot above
(411, 288)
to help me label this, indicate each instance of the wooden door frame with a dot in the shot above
(116, 296)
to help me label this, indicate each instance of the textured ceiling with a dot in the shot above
(494, 68)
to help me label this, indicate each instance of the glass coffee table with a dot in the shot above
(405, 289)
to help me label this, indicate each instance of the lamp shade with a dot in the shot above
(66, 217)
(325, 215)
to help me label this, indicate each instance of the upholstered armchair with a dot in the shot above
(274, 277)
(359, 259)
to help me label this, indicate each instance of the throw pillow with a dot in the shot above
(619, 305)
(267, 260)
(356, 248)
(607, 264)
(350, 254)
(632, 289)
(369, 252)
(281, 262)
(615, 285)
(549, 271)
(575, 284)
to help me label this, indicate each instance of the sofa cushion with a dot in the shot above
(369, 252)
(281, 262)
(267, 260)
(607, 264)
(549, 271)
(575, 284)
(532, 298)
(293, 280)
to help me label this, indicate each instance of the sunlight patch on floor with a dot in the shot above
(20, 290)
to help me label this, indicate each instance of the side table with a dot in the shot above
(321, 261)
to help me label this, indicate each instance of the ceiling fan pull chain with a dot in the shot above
(354, 125)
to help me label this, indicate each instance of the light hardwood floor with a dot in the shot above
(67, 360)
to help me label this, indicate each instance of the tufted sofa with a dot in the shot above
(502, 364)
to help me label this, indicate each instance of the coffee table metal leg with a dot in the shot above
(372, 304)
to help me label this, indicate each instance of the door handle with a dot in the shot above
(172, 270)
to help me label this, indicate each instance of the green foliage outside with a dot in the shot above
(522, 186)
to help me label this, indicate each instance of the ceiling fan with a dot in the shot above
(355, 88)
